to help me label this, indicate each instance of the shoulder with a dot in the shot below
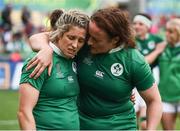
(134, 55)
(32, 55)
(156, 37)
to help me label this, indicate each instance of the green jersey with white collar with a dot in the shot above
(106, 82)
(56, 108)
(169, 65)
(147, 45)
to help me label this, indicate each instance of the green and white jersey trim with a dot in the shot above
(116, 49)
(147, 36)
(177, 45)
(56, 49)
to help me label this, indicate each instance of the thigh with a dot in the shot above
(169, 116)
(168, 121)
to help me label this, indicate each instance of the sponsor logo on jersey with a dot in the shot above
(74, 67)
(145, 51)
(151, 45)
(117, 69)
(70, 79)
(99, 74)
(88, 60)
(59, 74)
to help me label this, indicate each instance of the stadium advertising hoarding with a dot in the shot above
(4, 75)
(10, 73)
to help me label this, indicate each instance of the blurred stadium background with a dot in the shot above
(14, 47)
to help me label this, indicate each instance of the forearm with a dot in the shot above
(152, 57)
(39, 41)
(154, 113)
(26, 121)
(154, 106)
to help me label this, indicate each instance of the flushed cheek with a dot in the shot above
(168, 38)
(172, 40)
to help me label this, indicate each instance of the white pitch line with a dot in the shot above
(8, 122)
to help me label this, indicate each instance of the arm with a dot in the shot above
(44, 57)
(41, 39)
(150, 58)
(154, 106)
(28, 99)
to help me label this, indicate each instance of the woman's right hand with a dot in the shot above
(42, 60)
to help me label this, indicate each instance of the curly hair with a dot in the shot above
(115, 22)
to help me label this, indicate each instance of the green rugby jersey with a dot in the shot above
(169, 65)
(106, 82)
(147, 45)
(56, 108)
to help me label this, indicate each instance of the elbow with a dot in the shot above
(32, 40)
(21, 114)
(26, 121)
(156, 101)
(156, 104)
(21, 118)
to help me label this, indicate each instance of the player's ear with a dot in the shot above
(115, 40)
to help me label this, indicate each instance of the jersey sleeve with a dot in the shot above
(158, 39)
(142, 77)
(36, 83)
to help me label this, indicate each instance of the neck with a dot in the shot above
(56, 49)
(116, 49)
(143, 36)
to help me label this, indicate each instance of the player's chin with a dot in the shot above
(94, 52)
(70, 55)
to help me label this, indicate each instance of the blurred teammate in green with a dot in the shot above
(169, 65)
(151, 47)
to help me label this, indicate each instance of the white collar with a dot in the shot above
(147, 36)
(177, 44)
(56, 49)
(116, 49)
